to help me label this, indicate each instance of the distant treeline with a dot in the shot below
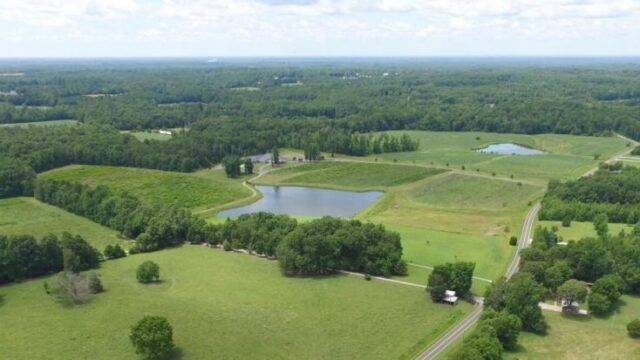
(318, 247)
(612, 191)
(23, 257)
(585, 99)
(44, 148)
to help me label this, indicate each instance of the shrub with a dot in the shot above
(95, 284)
(70, 289)
(566, 221)
(367, 277)
(152, 337)
(633, 328)
(513, 241)
(226, 245)
(114, 252)
(599, 304)
(148, 272)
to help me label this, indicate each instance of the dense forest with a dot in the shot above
(612, 190)
(358, 96)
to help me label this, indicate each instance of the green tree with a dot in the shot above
(507, 326)
(248, 166)
(231, 165)
(78, 254)
(148, 272)
(633, 328)
(485, 341)
(556, 275)
(114, 252)
(521, 297)
(599, 304)
(275, 156)
(601, 224)
(572, 291)
(152, 337)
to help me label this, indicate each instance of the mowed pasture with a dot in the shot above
(580, 230)
(459, 203)
(347, 175)
(28, 216)
(567, 156)
(215, 313)
(196, 191)
(588, 338)
(424, 249)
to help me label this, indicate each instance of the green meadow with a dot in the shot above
(567, 156)
(423, 249)
(28, 216)
(579, 230)
(583, 337)
(347, 175)
(226, 305)
(196, 191)
(458, 203)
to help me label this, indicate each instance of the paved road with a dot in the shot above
(455, 332)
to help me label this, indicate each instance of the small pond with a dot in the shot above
(304, 201)
(510, 149)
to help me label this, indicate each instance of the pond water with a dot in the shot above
(510, 149)
(304, 201)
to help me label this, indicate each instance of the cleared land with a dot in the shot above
(567, 156)
(199, 190)
(576, 337)
(579, 230)
(458, 203)
(348, 175)
(43, 123)
(153, 134)
(216, 313)
(423, 249)
(30, 217)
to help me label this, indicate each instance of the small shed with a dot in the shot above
(450, 297)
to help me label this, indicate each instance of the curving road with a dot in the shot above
(455, 332)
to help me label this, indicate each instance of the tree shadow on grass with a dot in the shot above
(1, 300)
(176, 354)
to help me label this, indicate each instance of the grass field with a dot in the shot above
(30, 217)
(579, 230)
(217, 314)
(348, 175)
(200, 190)
(426, 248)
(458, 203)
(576, 337)
(43, 123)
(568, 156)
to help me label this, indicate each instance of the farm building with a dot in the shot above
(450, 297)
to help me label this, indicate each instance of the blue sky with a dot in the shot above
(124, 28)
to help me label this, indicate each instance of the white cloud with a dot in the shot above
(304, 26)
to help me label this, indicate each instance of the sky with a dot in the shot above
(328, 28)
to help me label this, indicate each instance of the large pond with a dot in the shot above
(510, 149)
(304, 201)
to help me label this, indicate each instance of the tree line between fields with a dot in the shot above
(613, 190)
(25, 152)
(318, 247)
